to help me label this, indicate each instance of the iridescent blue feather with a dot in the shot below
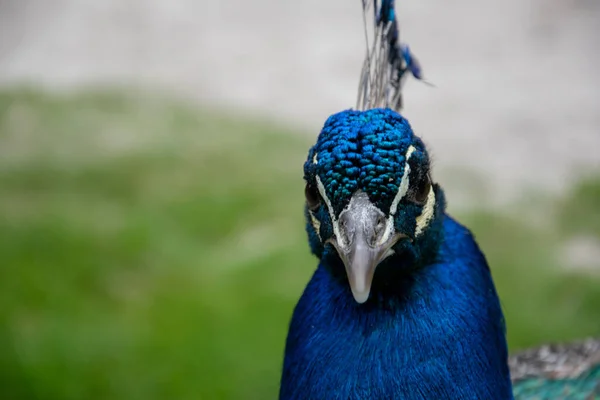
(431, 326)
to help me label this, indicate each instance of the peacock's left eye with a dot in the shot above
(313, 200)
(420, 193)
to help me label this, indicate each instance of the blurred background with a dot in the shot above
(152, 240)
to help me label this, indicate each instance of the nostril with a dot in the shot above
(380, 224)
(346, 231)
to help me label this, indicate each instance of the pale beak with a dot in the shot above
(365, 239)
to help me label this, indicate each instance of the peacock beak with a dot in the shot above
(364, 239)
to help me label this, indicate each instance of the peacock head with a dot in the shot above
(369, 195)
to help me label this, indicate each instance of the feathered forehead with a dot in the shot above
(362, 150)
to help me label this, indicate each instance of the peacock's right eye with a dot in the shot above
(313, 200)
(422, 190)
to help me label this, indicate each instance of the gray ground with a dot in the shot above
(517, 96)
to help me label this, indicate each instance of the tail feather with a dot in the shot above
(558, 371)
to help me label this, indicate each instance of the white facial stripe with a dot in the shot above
(402, 189)
(316, 224)
(389, 229)
(334, 222)
(427, 213)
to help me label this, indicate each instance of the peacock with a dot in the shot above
(402, 304)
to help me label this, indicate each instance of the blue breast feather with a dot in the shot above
(442, 337)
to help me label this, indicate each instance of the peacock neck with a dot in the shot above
(434, 332)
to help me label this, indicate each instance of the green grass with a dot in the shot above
(150, 250)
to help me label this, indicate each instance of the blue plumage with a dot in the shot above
(402, 304)
(432, 326)
(362, 150)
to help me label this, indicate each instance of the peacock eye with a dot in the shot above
(313, 200)
(421, 192)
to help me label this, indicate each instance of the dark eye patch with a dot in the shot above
(419, 179)
(313, 199)
(422, 190)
